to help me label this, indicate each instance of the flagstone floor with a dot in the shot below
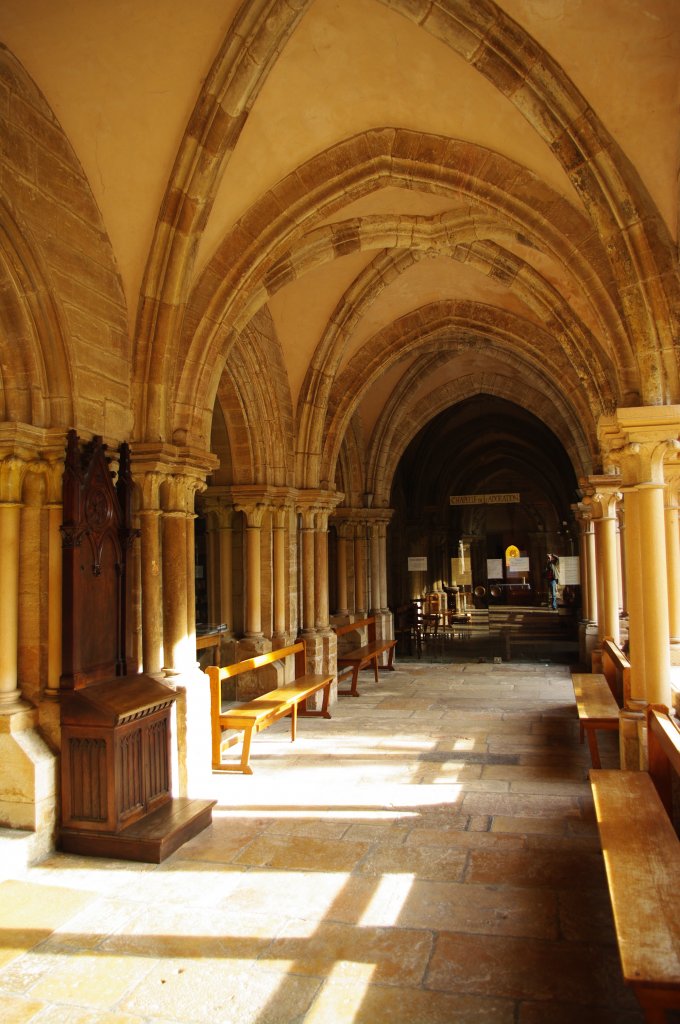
(428, 856)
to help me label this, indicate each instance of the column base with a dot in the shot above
(633, 739)
(28, 780)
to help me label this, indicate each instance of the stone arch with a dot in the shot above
(401, 424)
(245, 275)
(618, 205)
(35, 382)
(450, 326)
(66, 307)
(603, 381)
(257, 408)
(350, 476)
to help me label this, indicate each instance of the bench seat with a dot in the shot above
(352, 661)
(642, 860)
(364, 657)
(258, 714)
(596, 706)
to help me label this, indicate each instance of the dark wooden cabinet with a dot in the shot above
(116, 774)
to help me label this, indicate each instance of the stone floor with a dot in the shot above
(428, 856)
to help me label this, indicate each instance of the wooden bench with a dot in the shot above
(596, 706)
(616, 669)
(364, 656)
(642, 859)
(261, 712)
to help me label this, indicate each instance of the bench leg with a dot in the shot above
(594, 751)
(293, 723)
(375, 667)
(323, 712)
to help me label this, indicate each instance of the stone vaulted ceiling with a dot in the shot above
(329, 221)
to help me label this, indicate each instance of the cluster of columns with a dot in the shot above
(283, 540)
(630, 547)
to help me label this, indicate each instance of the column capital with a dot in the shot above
(254, 511)
(601, 495)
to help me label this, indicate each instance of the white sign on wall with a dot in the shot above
(519, 565)
(570, 570)
(417, 563)
(494, 568)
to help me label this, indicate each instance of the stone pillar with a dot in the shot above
(254, 513)
(672, 476)
(374, 533)
(177, 656)
(11, 480)
(321, 618)
(343, 536)
(54, 581)
(28, 768)
(635, 597)
(226, 546)
(603, 498)
(280, 515)
(151, 579)
(212, 558)
(360, 603)
(649, 438)
(588, 623)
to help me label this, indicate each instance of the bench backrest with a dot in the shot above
(217, 673)
(350, 627)
(663, 751)
(616, 669)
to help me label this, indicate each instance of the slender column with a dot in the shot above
(11, 478)
(254, 514)
(342, 531)
(212, 566)
(656, 634)
(307, 545)
(226, 545)
(191, 584)
(591, 570)
(55, 514)
(650, 437)
(174, 590)
(360, 569)
(383, 565)
(636, 616)
(605, 520)
(321, 616)
(621, 559)
(673, 555)
(152, 608)
(279, 573)
(374, 531)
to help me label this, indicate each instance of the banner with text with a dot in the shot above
(484, 499)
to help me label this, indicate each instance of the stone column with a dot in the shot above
(226, 546)
(603, 498)
(672, 475)
(360, 603)
(176, 655)
(254, 513)
(28, 768)
(307, 570)
(279, 558)
(321, 613)
(343, 536)
(635, 605)
(649, 437)
(55, 514)
(12, 472)
(152, 608)
(374, 534)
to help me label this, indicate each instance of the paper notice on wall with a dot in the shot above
(494, 568)
(518, 566)
(417, 563)
(570, 570)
